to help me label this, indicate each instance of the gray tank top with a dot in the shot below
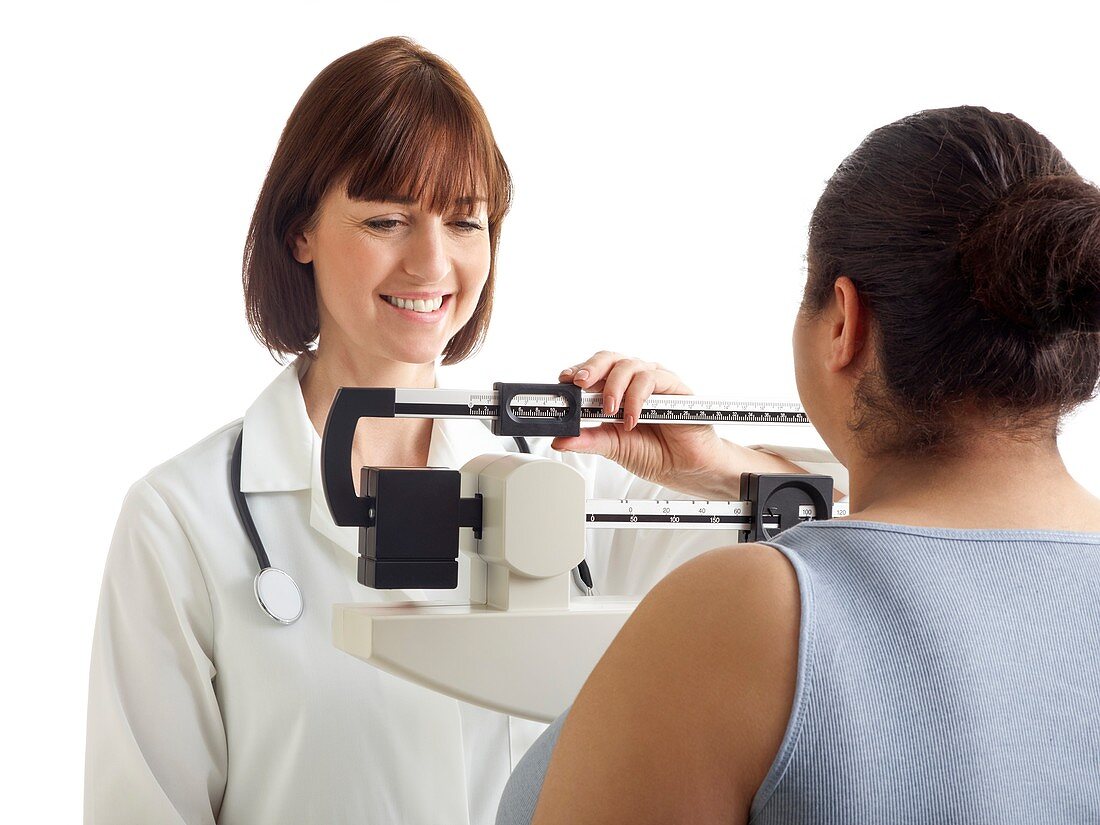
(943, 676)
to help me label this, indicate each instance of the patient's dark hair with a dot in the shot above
(976, 248)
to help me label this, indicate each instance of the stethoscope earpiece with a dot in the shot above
(278, 595)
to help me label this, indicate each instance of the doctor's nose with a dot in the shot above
(427, 258)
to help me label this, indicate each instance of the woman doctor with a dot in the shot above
(374, 236)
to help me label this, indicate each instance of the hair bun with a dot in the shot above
(1034, 258)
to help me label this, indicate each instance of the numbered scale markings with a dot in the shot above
(657, 409)
(677, 514)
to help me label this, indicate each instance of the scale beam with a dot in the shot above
(685, 514)
(513, 410)
(553, 403)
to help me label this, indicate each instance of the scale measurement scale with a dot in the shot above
(685, 514)
(550, 406)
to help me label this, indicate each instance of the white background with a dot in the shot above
(665, 165)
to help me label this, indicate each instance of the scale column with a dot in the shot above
(532, 533)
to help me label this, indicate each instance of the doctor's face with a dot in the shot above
(394, 280)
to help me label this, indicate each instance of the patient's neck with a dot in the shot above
(995, 482)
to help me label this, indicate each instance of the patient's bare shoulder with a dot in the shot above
(684, 714)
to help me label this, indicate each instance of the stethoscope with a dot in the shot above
(276, 591)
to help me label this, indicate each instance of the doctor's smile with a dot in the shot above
(423, 307)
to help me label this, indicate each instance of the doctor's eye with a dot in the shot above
(468, 225)
(382, 224)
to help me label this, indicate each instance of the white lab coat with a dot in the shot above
(203, 709)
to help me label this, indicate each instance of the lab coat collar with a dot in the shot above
(282, 451)
(277, 450)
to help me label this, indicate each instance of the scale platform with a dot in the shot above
(530, 664)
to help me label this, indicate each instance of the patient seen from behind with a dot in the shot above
(932, 657)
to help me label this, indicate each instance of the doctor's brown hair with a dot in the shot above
(975, 246)
(390, 118)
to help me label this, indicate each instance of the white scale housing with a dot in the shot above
(524, 647)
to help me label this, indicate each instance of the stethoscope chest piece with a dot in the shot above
(278, 595)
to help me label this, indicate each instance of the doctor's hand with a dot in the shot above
(690, 458)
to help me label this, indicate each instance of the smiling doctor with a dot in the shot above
(371, 259)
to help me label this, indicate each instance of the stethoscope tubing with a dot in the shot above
(242, 505)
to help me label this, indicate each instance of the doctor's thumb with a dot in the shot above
(593, 440)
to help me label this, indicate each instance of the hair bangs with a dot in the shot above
(429, 145)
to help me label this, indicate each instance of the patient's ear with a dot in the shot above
(847, 319)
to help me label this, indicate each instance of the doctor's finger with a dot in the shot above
(657, 381)
(636, 382)
(592, 370)
(623, 373)
(641, 387)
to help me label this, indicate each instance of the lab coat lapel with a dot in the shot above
(277, 445)
(281, 451)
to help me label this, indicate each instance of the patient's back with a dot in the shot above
(944, 675)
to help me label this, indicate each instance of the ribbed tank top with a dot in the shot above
(943, 676)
